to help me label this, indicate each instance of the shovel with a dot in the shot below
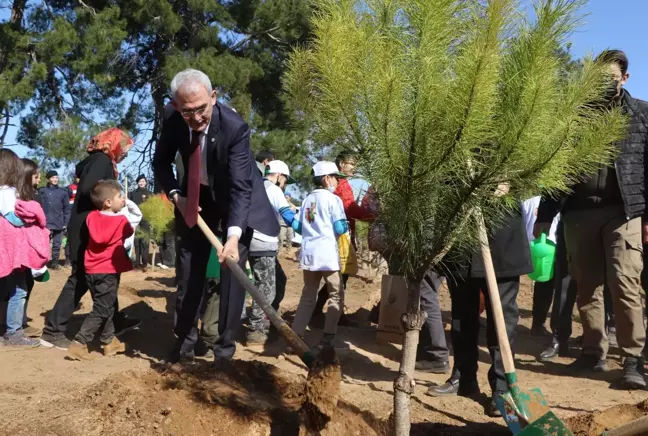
(324, 372)
(525, 413)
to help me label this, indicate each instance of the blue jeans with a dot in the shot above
(16, 306)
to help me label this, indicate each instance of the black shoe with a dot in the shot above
(202, 349)
(433, 366)
(555, 349)
(490, 409)
(449, 389)
(62, 343)
(633, 373)
(453, 387)
(124, 324)
(587, 362)
(54, 266)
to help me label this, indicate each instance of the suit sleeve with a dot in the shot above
(66, 207)
(240, 163)
(165, 153)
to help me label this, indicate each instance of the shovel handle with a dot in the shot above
(291, 337)
(493, 292)
(633, 428)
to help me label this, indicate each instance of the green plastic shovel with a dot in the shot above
(525, 413)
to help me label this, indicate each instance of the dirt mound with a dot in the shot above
(239, 398)
(593, 424)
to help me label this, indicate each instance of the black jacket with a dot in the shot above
(510, 251)
(623, 183)
(138, 197)
(55, 201)
(97, 166)
(236, 185)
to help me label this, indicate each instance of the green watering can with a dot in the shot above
(543, 255)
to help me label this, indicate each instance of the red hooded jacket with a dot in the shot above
(352, 210)
(106, 253)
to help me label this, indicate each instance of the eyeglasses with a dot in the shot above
(190, 113)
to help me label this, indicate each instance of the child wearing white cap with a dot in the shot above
(321, 221)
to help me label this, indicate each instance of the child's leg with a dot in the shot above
(263, 268)
(335, 301)
(108, 331)
(16, 305)
(307, 301)
(104, 293)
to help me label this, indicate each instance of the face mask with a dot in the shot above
(612, 90)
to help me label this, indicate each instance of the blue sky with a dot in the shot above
(609, 24)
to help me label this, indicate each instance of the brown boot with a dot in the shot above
(79, 351)
(115, 347)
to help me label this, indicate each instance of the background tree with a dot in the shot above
(446, 100)
(98, 63)
(158, 212)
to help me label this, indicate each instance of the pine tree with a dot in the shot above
(110, 63)
(446, 100)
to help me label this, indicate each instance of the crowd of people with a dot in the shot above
(204, 165)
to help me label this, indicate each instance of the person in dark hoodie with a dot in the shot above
(604, 237)
(104, 152)
(139, 196)
(509, 246)
(54, 200)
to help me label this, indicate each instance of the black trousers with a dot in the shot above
(280, 281)
(465, 328)
(432, 340)
(103, 288)
(141, 251)
(194, 251)
(74, 289)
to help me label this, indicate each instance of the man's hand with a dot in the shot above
(644, 229)
(540, 228)
(181, 203)
(230, 250)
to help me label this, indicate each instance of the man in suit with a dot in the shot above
(224, 184)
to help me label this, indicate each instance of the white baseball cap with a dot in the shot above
(279, 167)
(327, 168)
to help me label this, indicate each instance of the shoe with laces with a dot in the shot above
(79, 351)
(20, 339)
(633, 373)
(113, 348)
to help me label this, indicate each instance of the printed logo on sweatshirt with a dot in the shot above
(311, 212)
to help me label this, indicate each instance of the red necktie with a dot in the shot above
(193, 181)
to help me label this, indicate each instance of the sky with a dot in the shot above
(608, 24)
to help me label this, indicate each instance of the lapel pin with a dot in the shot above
(213, 140)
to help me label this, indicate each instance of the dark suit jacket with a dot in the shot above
(236, 185)
(510, 251)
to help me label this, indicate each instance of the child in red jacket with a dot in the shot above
(105, 260)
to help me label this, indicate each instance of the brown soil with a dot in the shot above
(263, 391)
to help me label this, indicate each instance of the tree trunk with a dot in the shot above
(153, 258)
(404, 384)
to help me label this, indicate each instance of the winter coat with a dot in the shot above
(509, 246)
(34, 249)
(139, 196)
(623, 183)
(97, 166)
(55, 201)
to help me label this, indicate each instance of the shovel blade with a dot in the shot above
(521, 410)
(547, 425)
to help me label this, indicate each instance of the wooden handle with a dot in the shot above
(493, 292)
(633, 428)
(295, 341)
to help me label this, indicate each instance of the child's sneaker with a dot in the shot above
(79, 351)
(115, 347)
(256, 337)
(19, 339)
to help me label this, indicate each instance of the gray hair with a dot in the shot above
(189, 77)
